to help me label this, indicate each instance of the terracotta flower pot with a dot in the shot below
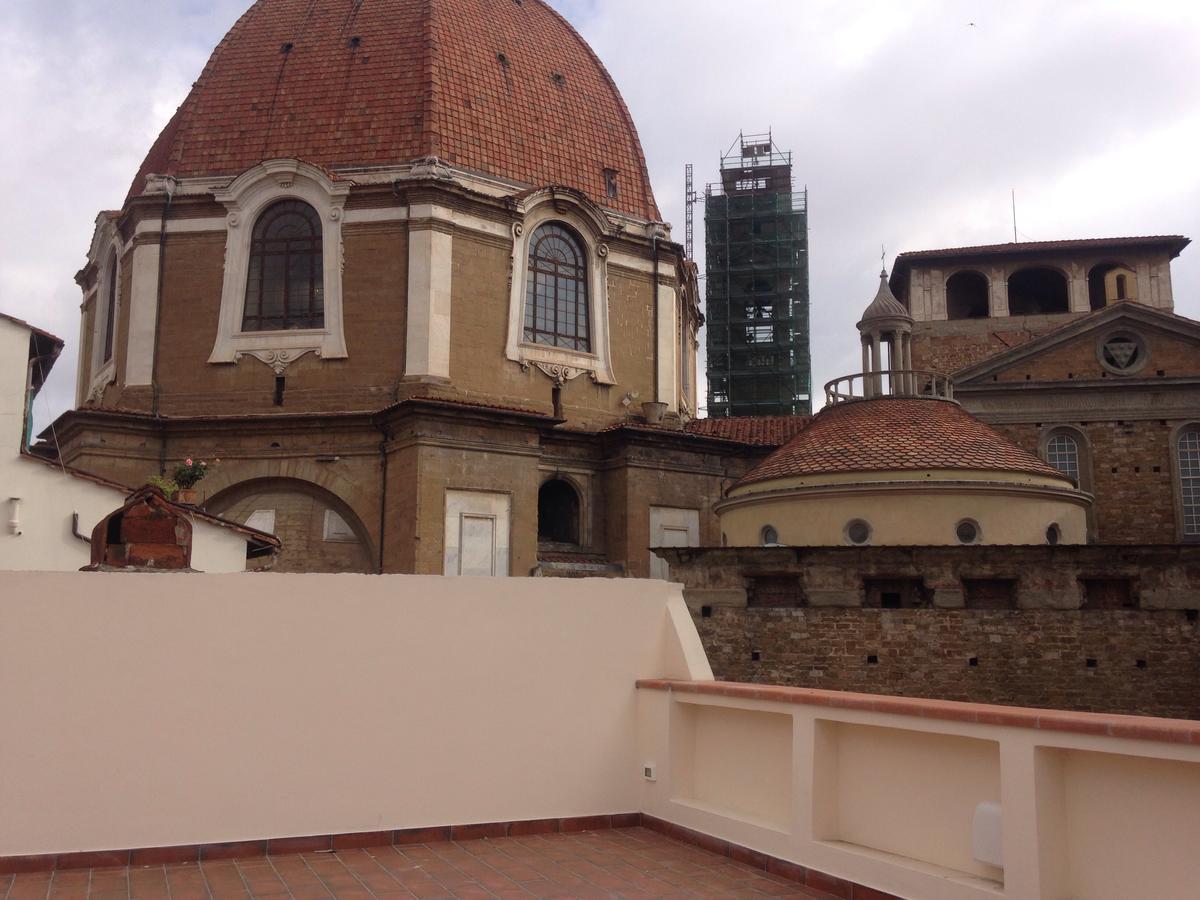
(189, 496)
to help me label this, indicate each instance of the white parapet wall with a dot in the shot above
(884, 791)
(149, 710)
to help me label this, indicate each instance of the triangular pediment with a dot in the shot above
(1122, 339)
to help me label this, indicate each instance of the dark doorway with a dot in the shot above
(558, 513)
(967, 296)
(1037, 292)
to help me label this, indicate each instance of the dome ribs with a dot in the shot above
(424, 78)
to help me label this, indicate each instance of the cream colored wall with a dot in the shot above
(905, 508)
(144, 711)
(887, 800)
(49, 496)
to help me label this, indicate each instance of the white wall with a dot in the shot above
(146, 711)
(48, 496)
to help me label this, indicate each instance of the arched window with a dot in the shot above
(967, 296)
(770, 537)
(556, 299)
(1189, 481)
(558, 513)
(1037, 292)
(285, 288)
(1062, 452)
(110, 307)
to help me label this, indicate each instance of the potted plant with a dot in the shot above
(180, 486)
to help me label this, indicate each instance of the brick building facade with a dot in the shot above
(1095, 374)
(482, 338)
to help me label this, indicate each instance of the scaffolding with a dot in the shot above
(756, 247)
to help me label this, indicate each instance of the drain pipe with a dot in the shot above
(154, 386)
(654, 307)
(383, 466)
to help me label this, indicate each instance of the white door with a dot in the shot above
(477, 533)
(671, 527)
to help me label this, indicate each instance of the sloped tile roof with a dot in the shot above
(758, 431)
(495, 86)
(892, 434)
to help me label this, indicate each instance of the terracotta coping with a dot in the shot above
(1141, 728)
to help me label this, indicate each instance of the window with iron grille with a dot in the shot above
(1062, 452)
(286, 285)
(1189, 481)
(556, 298)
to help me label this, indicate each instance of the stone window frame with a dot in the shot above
(858, 521)
(580, 483)
(1177, 479)
(974, 523)
(1134, 336)
(246, 198)
(591, 226)
(1083, 445)
(104, 371)
(769, 536)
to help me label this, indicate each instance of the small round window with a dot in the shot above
(967, 531)
(1053, 534)
(770, 537)
(1123, 353)
(858, 532)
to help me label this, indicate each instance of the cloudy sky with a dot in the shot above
(910, 123)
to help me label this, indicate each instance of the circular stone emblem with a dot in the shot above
(1122, 354)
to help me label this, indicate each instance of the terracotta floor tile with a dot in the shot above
(605, 865)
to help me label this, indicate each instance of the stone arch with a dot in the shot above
(313, 539)
(967, 294)
(1038, 291)
(1111, 281)
(560, 512)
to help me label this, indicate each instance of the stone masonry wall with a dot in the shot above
(1118, 661)
(1089, 627)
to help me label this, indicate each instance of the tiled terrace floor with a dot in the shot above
(625, 863)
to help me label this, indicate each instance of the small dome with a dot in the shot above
(506, 89)
(885, 305)
(890, 434)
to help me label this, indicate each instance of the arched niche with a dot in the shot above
(319, 530)
(967, 295)
(1037, 291)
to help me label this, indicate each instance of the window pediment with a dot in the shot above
(536, 342)
(246, 199)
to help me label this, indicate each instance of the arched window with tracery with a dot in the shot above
(285, 288)
(1062, 452)
(556, 298)
(110, 307)
(1189, 481)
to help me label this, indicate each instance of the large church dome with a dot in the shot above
(506, 88)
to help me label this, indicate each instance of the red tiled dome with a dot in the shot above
(503, 87)
(895, 433)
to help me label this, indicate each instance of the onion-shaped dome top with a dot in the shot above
(896, 434)
(505, 88)
(885, 305)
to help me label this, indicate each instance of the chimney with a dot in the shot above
(147, 534)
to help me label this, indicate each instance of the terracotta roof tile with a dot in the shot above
(896, 434)
(508, 89)
(759, 431)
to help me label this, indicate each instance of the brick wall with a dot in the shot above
(1130, 475)
(1099, 628)
(1146, 662)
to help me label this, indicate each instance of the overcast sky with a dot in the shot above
(910, 122)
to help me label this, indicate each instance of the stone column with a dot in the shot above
(427, 347)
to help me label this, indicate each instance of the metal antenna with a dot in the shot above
(1014, 206)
